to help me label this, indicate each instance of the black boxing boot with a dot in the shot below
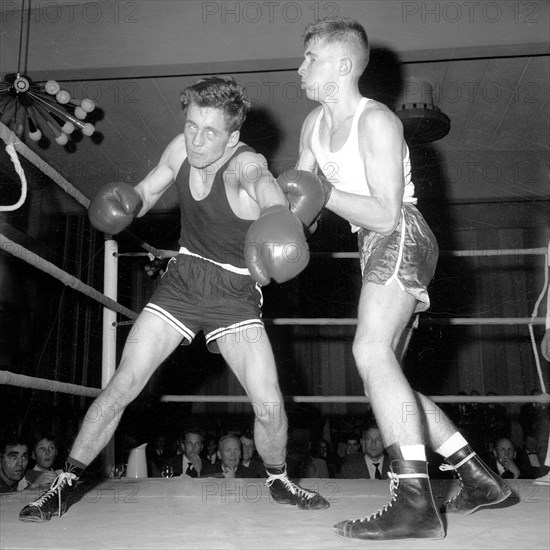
(411, 513)
(284, 491)
(480, 486)
(55, 501)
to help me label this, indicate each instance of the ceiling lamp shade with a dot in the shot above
(422, 121)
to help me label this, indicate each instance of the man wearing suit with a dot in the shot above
(373, 463)
(190, 462)
(230, 466)
(506, 462)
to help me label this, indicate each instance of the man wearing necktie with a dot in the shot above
(372, 463)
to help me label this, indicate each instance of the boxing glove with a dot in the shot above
(275, 246)
(114, 207)
(305, 193)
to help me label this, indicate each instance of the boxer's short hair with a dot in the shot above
(219, 92)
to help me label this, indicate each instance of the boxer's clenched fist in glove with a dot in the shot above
(305, 194)
(114, 207)
(275, 246)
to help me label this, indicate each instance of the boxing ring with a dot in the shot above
(212, 513)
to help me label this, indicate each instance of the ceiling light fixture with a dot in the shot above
(35, 109)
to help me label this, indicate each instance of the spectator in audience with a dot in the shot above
(505, 461)
(373, 463)
(249, 456)
(230, 466)
(14, 459)
(190, 462)
(44, 453)
(210, 450)
(318, 465)
(353, 445)
(157, 456)
(534, 458)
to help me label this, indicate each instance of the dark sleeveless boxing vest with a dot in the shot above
(209, 227)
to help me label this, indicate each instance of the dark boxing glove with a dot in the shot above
(114, 207)
(275, 246)
(305, 194)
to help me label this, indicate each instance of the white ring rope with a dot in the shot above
(458, 253)
(10, 149)
(31, 382)
(319, 321)
(31, 258)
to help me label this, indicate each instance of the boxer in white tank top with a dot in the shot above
(358, 144)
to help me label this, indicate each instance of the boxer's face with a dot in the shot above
(206, 136)
(319, 71)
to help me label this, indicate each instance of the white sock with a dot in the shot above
(452, 445)
(413, 452)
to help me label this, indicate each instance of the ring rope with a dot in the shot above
(23, 381)
(31, 258)
(9, 137)
(541, 251)
(320, 321)
(10, 149)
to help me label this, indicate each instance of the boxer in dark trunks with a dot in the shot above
(232, 212)
(358, 144)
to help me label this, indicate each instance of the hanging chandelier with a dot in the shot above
(40, 109)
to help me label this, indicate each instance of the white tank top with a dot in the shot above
(344, 168)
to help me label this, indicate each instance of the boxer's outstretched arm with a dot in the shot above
(162, 176)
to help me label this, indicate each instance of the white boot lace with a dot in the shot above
(394, 484)
(292, 487)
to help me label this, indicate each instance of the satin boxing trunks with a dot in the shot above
(408, 256)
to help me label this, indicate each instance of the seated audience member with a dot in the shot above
(534, 458)
(14, 459)
(249, 453)
(210, 450)
(229, 451)
(317, 465)
(190, 462)
(44, 454)
(157, 456)
(373, 463)
(505, 461)
(353, 445)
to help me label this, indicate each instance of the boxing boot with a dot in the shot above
(285, 491)
(54, 502)
(411, 513)
(480, 486)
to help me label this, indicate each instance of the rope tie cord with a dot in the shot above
(10, 149)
